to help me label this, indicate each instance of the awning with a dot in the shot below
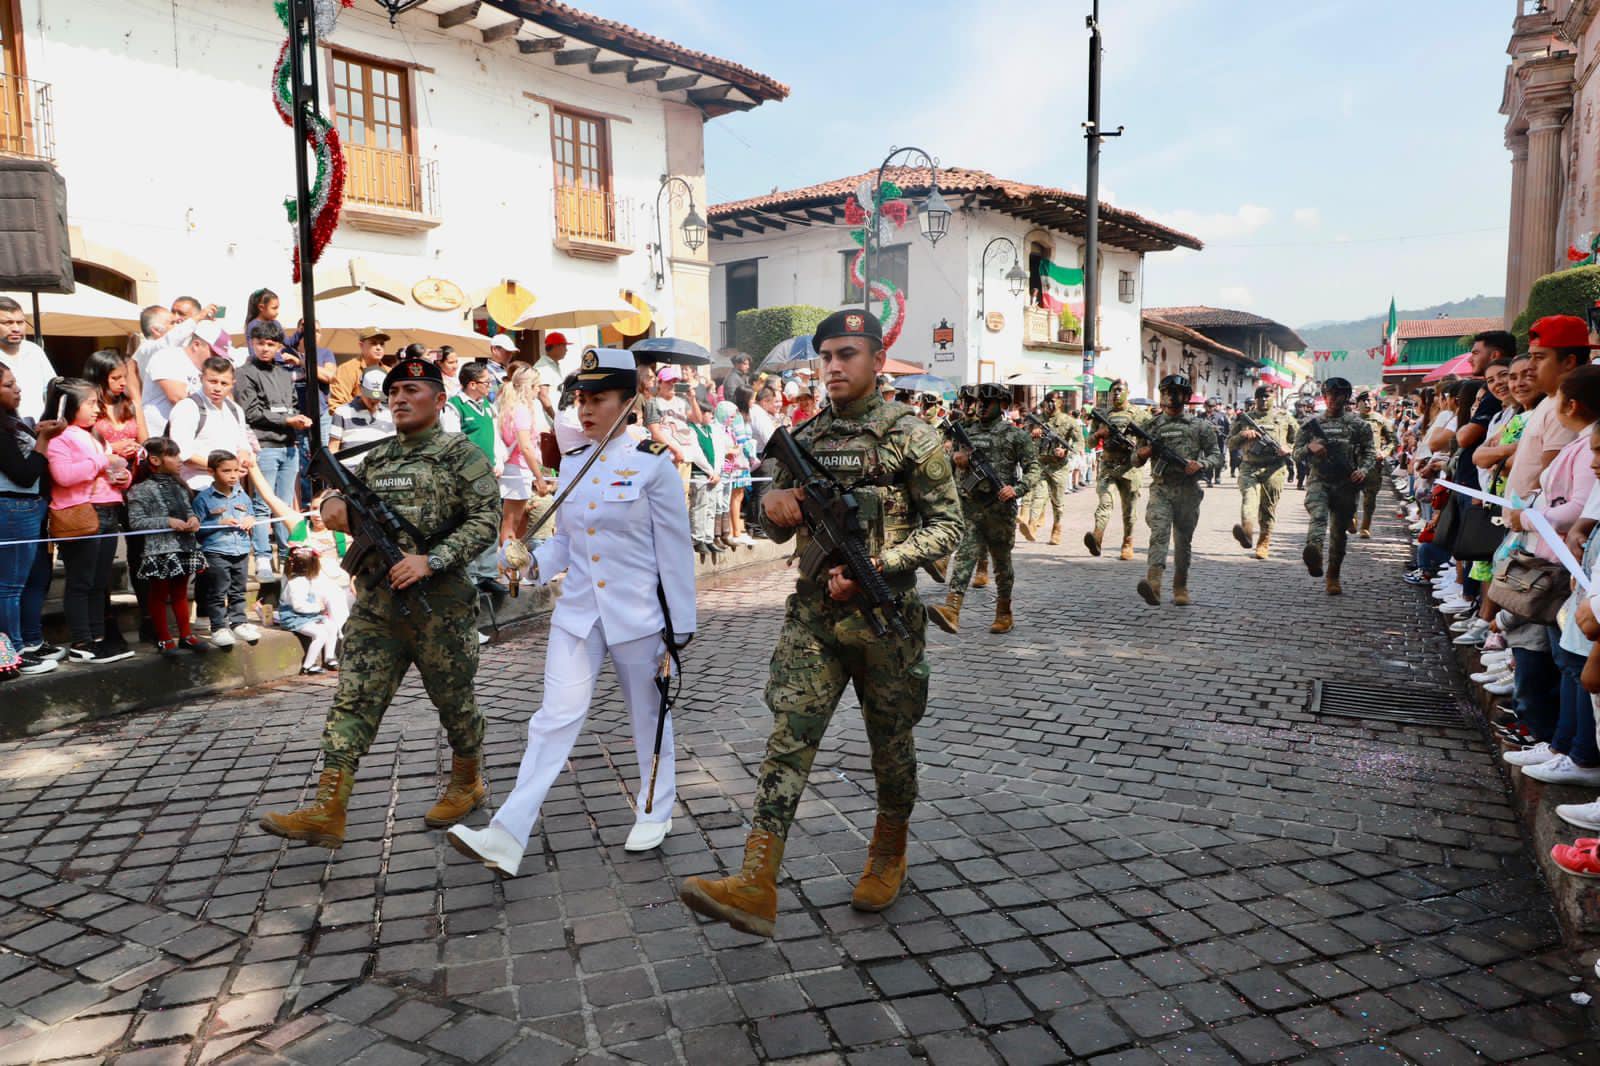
(84, 313)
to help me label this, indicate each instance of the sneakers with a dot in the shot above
(1582, 815)
(98, 652)
(54, 652)
(264, 570)
(193, 644)
(32, 664)
(223, 638)
(247, 632)
(1462, 625)
(1563, 771)
(1504, 687)
(1533, 756)
(1496, 641)
(1487, 674)
(493, 846)
(1455, 606)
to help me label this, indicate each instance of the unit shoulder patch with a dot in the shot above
(652, 447)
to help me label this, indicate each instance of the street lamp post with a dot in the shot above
(694, 227)
(1016, 279)
(933, 217)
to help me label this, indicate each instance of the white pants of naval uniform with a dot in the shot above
(571, 667)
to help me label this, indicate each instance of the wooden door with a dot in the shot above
(15, 114)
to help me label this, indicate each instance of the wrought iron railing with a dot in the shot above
(400, 181)
(588, 214)
(27, 121)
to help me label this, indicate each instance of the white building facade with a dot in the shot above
(963, 321)
(482, 144)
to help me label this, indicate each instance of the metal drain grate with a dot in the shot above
(1410, 705)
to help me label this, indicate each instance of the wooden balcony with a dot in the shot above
(1039, 332)
(27, 121)
(388, 191)
(591, 223)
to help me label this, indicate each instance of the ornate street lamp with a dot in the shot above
(694, 226)
(1155, 348)
(396, 8)
(933, 216)
(1016, 277)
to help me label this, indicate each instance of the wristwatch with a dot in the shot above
(435, 563)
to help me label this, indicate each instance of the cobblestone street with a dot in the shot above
(1135, 845)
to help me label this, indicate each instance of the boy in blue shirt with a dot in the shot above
(225, 503)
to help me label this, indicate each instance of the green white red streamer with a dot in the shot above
(893, 212)
(327, 186)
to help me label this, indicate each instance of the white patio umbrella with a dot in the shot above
(84, 313)
(342, 319)
(562, 311)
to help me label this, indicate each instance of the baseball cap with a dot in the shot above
(503, 342)
(668, 373)
(553, 339)
(372, 382)
(373, 333)
(213, 334)
(1560, 331)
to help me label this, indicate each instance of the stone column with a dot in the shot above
(1541, 202)
(1518, 143)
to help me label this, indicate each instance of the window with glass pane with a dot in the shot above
(579, 149)
(892, 264)
(371, 104)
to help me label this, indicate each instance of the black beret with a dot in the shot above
(848, 323)
(414, 370)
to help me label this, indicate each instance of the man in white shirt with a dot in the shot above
(209, 421)
(174, 373)
(364, 419)
(764, 416)
(25, 359)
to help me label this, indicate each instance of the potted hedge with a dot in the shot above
(1068, 327)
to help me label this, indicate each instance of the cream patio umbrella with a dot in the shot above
(84, 313)
(342, 319)
(564, 311)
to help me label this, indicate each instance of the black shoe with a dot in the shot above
(115, 639)
(100, 653)
(53, 652)
(32, 664)
(193, 644)
(1312, 557)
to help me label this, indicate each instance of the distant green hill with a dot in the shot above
(1367, 332)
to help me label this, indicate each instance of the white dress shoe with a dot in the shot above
(1533, 756)
(1563, 771)
(493, 846)
(1582, 815)
(647, 836)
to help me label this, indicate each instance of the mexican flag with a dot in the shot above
(1063, 287)
(1391, 339)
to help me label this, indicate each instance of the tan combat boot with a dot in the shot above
(1150, 587)
(748, 900)
(938, 569)
(1244, 535)
(886, 866)
(947, 615)
(1180, 588)
(980, 578)
(1002, 616)
(1264, 544)
(464, 793)
(1127, 548)
(1055, 533)
(1025, 527)
(1334, 587)
(1093, 540)
(323, 821)
(1366, 530)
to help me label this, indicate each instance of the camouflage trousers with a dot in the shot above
(380, 644)
(992, 529)
(1126, 484)
(1369, 494)
(1052, 488)
(1260, 488)
(824, 646)
(1331, 509)
(1173, 508)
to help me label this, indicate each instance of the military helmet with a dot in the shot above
(966, 393)
(1338, 385)
(1176, 383)
(989, 392)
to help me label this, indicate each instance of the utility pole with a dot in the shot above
(303, 75)
(1091, 242)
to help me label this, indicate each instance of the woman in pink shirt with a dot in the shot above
(83, 471)
(1563, 485)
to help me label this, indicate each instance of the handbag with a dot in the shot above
(79, 520)
(1531, 587)
(1447, 524)
(1477, 534)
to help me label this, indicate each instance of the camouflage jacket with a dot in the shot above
(1278, 423)
(1012, 453)
(902, 479)
(1068, 429)
(1383, 436)
(1190, 436)
(1349, 440)
(1114, 461)
(438, 481)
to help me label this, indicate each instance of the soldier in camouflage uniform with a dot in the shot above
(904, 484)
(991, 516)
(965, 413)
(1175, 492)
(1384, 440)
(441, 484)
(1338, 446)
(1117, 473)
(1265, 468)
(1057, 467)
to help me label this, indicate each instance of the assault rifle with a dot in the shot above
(837, 536)
(1051, 438)
(980, 478)
(1333, 464)
(1114, 435)
(1159, 449)
(1264, 440)
(375, 528)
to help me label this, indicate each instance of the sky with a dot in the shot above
(1331, 154)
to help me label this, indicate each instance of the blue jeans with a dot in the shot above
(1574, 735)
(1431, 557)
(279, 468)
(1538, 692)
(20, 519)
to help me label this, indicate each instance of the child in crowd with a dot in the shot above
(226, 515)
(304, 609)
(332, 581)
(161, 502)
(736, 467)
(705, 465)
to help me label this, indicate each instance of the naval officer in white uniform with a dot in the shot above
(624, 527)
